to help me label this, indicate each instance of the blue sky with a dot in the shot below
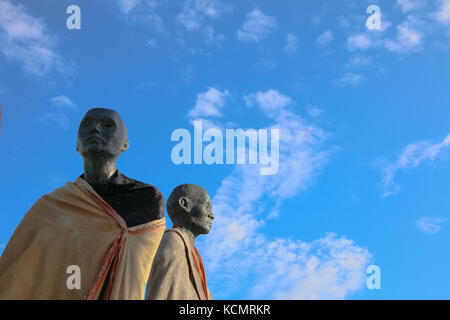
(363, 118)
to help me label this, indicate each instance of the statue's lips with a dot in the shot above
(95, 139)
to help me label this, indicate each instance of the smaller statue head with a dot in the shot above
(189, 207)
(102, 135)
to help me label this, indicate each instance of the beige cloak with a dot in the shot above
(74, 226)
(177, 270)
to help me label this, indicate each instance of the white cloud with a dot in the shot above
(127, 5)
(187, 74)
(291, 44)
(210, 8)
(350, 79)
(189, 19)
(270, 101)
(144, 12)
(238, 256)
(194, 12)
(211, 38)
(443, 14)
(57, 119)
(411, 157)
(325, 38)
(431, 225)
(151, 43)
(209, 104)
(327, 268)
(24, 38)
(358, 61)
(408, 5)
(256, 26)
(63, 101)
(408, 39)
(153, 20)
(315, 112)
(359, 41)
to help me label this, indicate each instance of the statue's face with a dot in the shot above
(101, 133)
(201, 216)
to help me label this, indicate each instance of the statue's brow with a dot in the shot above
(101, 119)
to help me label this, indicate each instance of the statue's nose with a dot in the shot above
(95, 129)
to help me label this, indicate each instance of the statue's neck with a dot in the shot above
(190, 234)
(99, 171)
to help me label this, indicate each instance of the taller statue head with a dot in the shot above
(102, 135)
(189, 207)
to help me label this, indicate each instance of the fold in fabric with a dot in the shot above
(177, 272)
(73, 225)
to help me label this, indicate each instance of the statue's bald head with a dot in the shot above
(189, 206)
(102, 130)
(112, 113)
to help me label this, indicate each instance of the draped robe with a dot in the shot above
(177, 272)
(74, 226)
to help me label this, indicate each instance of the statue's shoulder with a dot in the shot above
(139, 185)
(172, 242)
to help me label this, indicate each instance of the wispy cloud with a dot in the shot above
(431, 225)
(256, 26)
(25, 39)
(127, 5)
(359, 41)
(211, 38)
(58, 117)
(443, 13)
(271, 101)
(291, 44)
(358, 61)
(194, 15)
(325, 38)
(411, 157)
(55, 119)
(63, 101)
(408, 39)
(350, 79)
(315, 112)
(209, 103)
(195, 11)
(409, 5)
(238, 252)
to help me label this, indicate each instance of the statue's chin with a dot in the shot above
(96, 153)
(206, 229)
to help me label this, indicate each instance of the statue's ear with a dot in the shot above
(125, 145)
(185, 204)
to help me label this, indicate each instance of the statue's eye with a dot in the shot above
(85, 124)
(109, 124)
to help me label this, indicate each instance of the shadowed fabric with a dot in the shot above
(176, 272)
(73, 225)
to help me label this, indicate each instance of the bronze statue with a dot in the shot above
(102, 137)
(178, 272)
(104, 225)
